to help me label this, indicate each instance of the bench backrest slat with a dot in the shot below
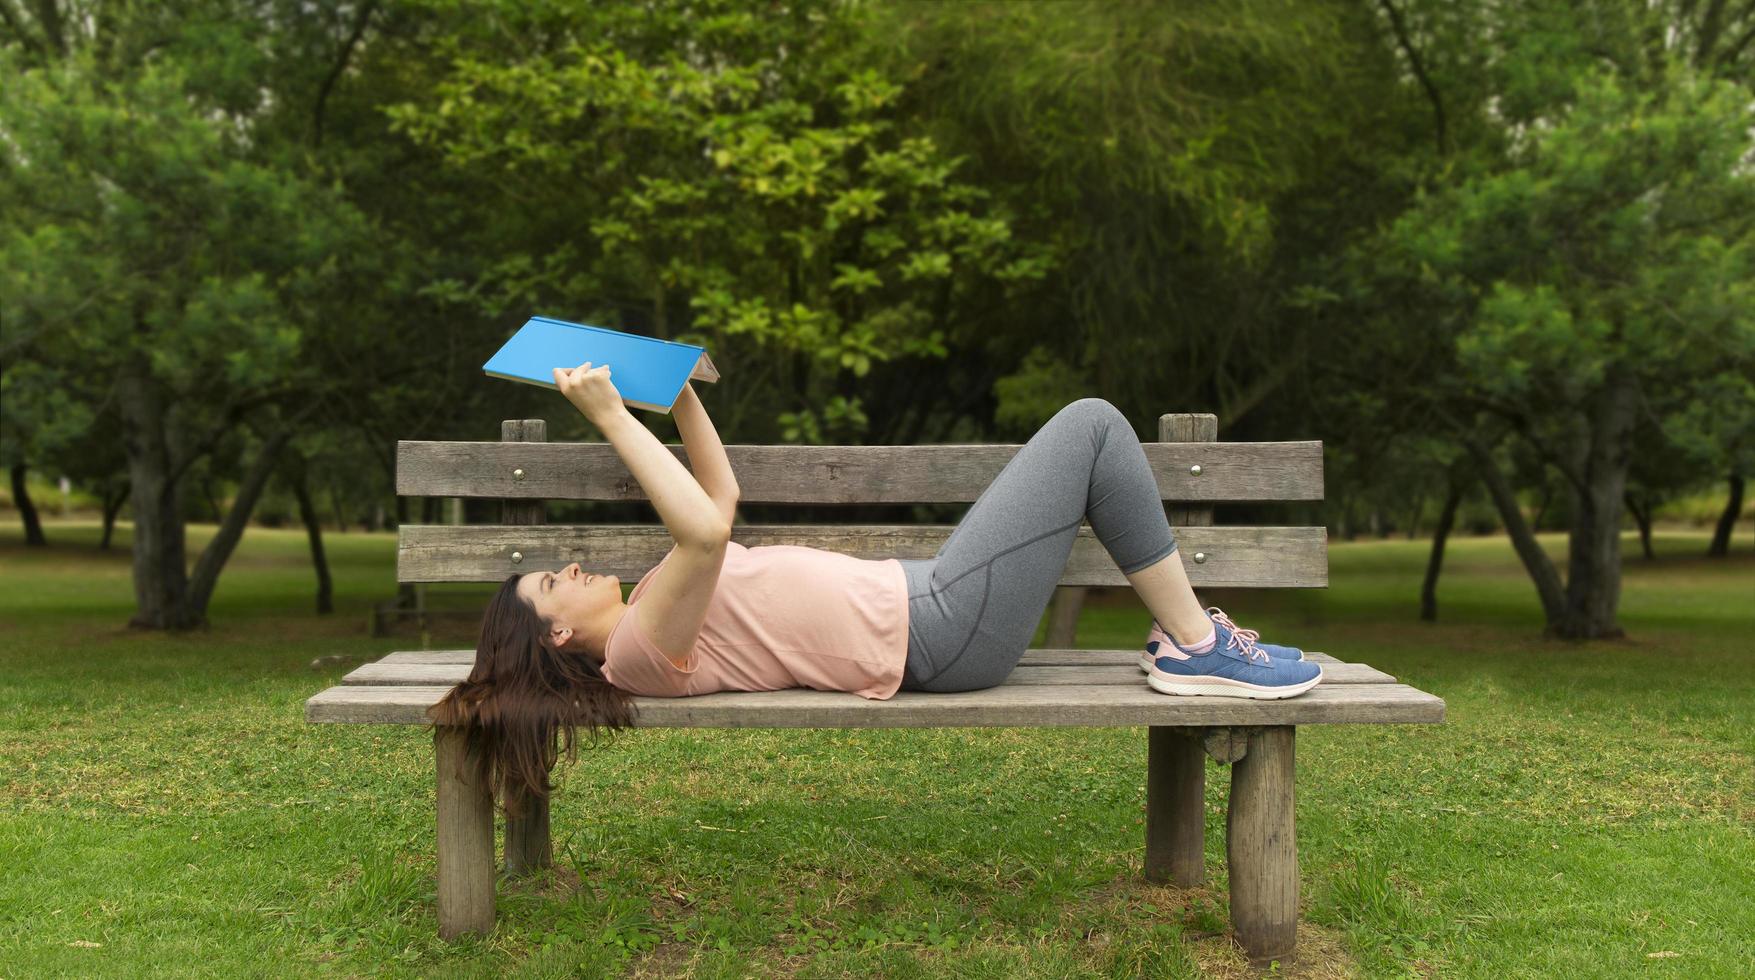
(939, 473)
(523, 471)
(1232, 556)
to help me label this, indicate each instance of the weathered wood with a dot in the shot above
(466, 840)
(941, 473)
(1235, 557)
(1175, 807)
(1117, 670)
(1227, 745)
(1006, 706)
(523, 510)
(527, 836)
(1044, 657)
(1199, 428)
(1175, 813)
(1261, 846)
(528, 845)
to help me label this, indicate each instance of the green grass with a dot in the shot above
(1584, 809)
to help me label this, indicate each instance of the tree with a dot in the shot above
(1608, 259)
(1187, 160)
(168, 254)
(1714, 431)
(38, 416)
(722, 174)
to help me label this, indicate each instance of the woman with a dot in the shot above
(562, 648)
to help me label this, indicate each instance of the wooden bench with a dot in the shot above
(1058, 687)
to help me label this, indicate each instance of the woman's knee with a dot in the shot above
(1099, 415)
(1096, 407)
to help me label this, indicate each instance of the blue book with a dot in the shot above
(649, 373)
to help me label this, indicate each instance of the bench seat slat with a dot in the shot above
(1234, 556)
(1045, 657)
(1006, 706)
(931, 473)
(1112, 672)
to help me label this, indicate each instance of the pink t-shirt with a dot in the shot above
(781, 616)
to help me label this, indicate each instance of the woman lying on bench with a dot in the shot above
(714, 615)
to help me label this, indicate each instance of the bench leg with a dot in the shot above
(1261, 846)
(466, 840)
(528, 848)
(1175, 806)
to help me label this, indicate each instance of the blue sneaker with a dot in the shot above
(1236, 667)
(1159, 639)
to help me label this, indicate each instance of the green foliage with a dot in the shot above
(1574, 273)
(891, 222)
(740, 172)
(140, 227)
(1616, 238)
(1160, 148)
(165, 260)
(1620, 232)
(1042, 385)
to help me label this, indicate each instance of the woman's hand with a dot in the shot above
(590, 391)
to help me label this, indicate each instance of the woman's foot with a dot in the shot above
(1159, 639)
(1231, 664)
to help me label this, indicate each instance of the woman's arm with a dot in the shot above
(687, 512)
(706, 453)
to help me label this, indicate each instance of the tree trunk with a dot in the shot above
(1435, 561)
(1542, 571)
(1419, 511)
(212, 501)
(1721, 537)
(1593, 571)
(161, 577)
(340, 509)
(27, 511)
(297, 475)
(1542, 508)
(113, 501)
(1641, 517)
(231, 529)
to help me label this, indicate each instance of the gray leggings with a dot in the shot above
(974, 606)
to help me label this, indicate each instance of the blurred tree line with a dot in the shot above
(1488, 253)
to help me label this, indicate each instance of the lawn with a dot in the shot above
(1587, 810)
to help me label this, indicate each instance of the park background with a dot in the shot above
(1497, 257)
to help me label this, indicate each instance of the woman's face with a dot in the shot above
(570, 598)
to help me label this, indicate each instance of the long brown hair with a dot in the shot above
(523, 697)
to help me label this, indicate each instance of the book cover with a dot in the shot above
(649, 373)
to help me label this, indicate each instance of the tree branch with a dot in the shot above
(1710, 27)
(1731, 53)
(11, 18)
(1419, 68)
(49, 16)
(213, 557)
(230, 416)
(347, 48)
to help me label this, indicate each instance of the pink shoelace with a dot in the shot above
(1241, 639)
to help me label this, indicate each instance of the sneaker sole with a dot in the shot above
(1225, 687)
(1146, 661)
